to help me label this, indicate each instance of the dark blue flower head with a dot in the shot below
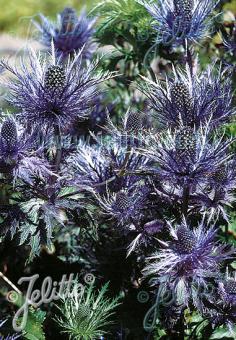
(191, 100)
(185, 156)
(216, 191)
(121, 202)
(178, 20)
(125, 206)
(227, 289)
(133, 122)
(185, 144)
(69, 34)
(130, 132)
(9, 138)
(188, 261)
(98, 167)
(220, 304)
(20, 154)
(51, 94)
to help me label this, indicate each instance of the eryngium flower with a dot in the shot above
(188, 261)
(185, 156)
(178, 20)
(19, 154)
(131, 131)
(125, 206)
(69, 34)
(216, 193)
(86, 313)
(185, 99)
(53, 94)
(133, 122)
(98, 167)
(220, 305)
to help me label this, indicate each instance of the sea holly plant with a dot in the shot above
(70, 33)
(121, 165)
(50, 93)
(190, 97)
(178, 20)
(48, 101)
(85, 313)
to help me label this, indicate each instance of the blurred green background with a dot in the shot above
(15, 15)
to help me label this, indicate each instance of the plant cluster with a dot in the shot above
(115, 156)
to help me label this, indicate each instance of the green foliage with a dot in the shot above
(34, 326)
(86, 314)
(223, 333)
(197, 328)
(126, 25)
(230, 6)
(124, 12)
(85, 230)
(35, 319)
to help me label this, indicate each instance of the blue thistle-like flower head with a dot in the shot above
(122, 201)
(9, 138)
(188, 261)
(227, 289)
(186, 144)
(190, 100)
(195, 159)
(220, 304)
(19, 152)
(69, 34)
(133, 122)
(178, 20)
(185, 156)
(98, 166)
(216, 192)
(131, 131)
(125, 206)
(51, 94)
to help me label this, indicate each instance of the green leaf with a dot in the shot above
(34, 326)
(223, 333)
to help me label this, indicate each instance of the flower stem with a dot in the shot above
(59, 147)
(185, 200)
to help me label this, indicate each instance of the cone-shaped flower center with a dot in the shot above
(68, 20)
(230, 286)
(122, 201)
(220, 175)
(134, 122)
(181, 98)
(83, 313)
(55, 77)
(183, 8)
(186, 240)
(185, 142)
(9, 133)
